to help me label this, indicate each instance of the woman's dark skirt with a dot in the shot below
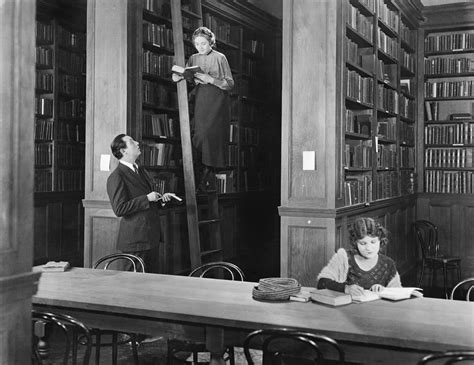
(211, 125)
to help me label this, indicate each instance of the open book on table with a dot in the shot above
(388, 293)
(186, 72)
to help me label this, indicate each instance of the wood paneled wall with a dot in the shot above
(17, 85)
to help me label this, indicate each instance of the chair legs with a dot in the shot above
(114, 346)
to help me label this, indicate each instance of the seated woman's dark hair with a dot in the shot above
(117, 144)
(206, 33)
(367, 227)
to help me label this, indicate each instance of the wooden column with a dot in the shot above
(107, 115)
(17, 84)
(308, 197)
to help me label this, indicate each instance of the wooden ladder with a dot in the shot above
(212, 251)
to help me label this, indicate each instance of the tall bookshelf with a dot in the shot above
(449, 107)
(59, 131)
(379, 114)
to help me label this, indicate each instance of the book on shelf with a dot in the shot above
(186, 72)
(52, 266)
(330, 297)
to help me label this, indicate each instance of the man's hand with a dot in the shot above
(154, 196)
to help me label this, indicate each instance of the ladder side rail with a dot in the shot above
(189, 184)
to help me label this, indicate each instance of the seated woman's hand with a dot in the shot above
(377, 288)
(354, 290)
(203, 78)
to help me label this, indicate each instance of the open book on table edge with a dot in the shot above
(186, 72)
(388, 293)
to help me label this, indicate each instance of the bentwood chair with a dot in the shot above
(289, 347)
(117, 338)
(467, 286)
(180, 351)
(431, 258)
(68, 328)
(449, 357)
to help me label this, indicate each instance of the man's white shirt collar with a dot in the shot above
(131, 166)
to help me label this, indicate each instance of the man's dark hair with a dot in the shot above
(117, 144)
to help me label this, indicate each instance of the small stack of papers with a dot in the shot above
(56, 266)
(388, 293)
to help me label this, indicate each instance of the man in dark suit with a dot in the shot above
(132, 197)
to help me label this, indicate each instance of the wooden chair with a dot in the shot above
(137, 265)
(69, 327)
(449, 357)
(466, 284)
(290, 347)
(176, 347)
(431, 258)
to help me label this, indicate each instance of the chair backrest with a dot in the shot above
(466, 284)
(285, 346)
(233, 271)
(427, 236)
(69, 327)
(136, 262)
(448, 357)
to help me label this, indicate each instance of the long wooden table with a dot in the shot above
(145, 303)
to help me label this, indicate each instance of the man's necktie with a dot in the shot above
(135, 168)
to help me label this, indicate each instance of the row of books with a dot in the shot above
(71, 39)
(70, 180)
(68, 132)
(224, 31)
(408, 60)
(449, 42)
(407, 182)
(245, 135)
(43, 106)
(450, 157)
(43, 181)
(407, 133)
(407, 107)
(43, 154)
(71, 62)
(386, 184)
(407, 35)
(407, 157)
(225, 182)
(159, 154)
(386, 156)
(445, 65)
(158, 94)
(72, 85)
(232, 155)
(387, 128)
(159, 7)
(254, 46)
(358, 21)
(387, 44)
(358, 154)
(70, 155)
(431, 110)
(44, 56)
(387, 15)
(249, 67)
(157, 64)
(357, 189)
(249, 156)
(387, 99)
(450, 133)
(358, 121)
(160, 125)
(44, 32)
(44, 81)
(158, 35)
(451, 182)
(166, 181)
(447, 89)
(359, 88)
(74, 108)
(189, 24)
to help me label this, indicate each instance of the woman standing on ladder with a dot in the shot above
(211, 107)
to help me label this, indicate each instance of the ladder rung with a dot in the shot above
(209, 221)
(210, 252)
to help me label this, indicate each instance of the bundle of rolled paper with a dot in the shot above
(275, 289)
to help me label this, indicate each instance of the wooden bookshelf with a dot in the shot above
(356, 110)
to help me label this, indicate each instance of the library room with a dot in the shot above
(237, 182)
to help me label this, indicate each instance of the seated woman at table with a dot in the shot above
(361, 267)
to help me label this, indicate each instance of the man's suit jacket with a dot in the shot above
(140, 224)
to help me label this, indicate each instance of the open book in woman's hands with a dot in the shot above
(186, 72)
(388, 293)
